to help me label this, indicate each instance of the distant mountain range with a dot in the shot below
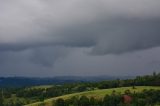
(26, 81)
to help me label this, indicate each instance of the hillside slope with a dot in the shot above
(97, 93)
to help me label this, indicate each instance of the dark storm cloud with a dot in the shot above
(116, 36)
(49, 55)
(37, 34)
(128, 35)
(107, 26)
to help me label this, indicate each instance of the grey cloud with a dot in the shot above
(116, 36)
(49, 55)
(129, 35)
(107, 26)
(36, 35)
(78, 63)
(137, 63)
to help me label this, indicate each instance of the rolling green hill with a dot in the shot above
(96, 93)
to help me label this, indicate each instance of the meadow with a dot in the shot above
(98, 94)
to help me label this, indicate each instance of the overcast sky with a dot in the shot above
(79, 37)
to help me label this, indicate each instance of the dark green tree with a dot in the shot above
(141, 102)
(42, 104)
(74, 101)
(83, 101)
(1, 98)
(60, 102)
(93, 101)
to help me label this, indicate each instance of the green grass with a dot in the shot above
(42, 87)
(98, 93)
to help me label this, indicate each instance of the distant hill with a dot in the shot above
(26, 81)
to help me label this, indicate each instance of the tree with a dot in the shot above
(41, 98)
(83, 101)
(93, 101)
(1, 98)
(81, 88)
(42, 104)
(112, 100)
(74, 101)
(18, 103)
(60, 102)
(141, 102)
(106, 101)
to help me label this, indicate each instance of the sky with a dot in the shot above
(45, 38)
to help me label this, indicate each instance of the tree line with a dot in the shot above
(145, 98)
(39, 94)
(58, 90)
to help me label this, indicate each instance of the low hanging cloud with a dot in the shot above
(75, 37)
(49, 55)
(128, 36)
(107, 26)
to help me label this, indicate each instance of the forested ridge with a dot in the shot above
(26, 95)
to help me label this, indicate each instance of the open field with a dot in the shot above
(97, 93)
(42, 87)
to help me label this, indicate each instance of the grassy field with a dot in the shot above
(97, 93)
(41, 86)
